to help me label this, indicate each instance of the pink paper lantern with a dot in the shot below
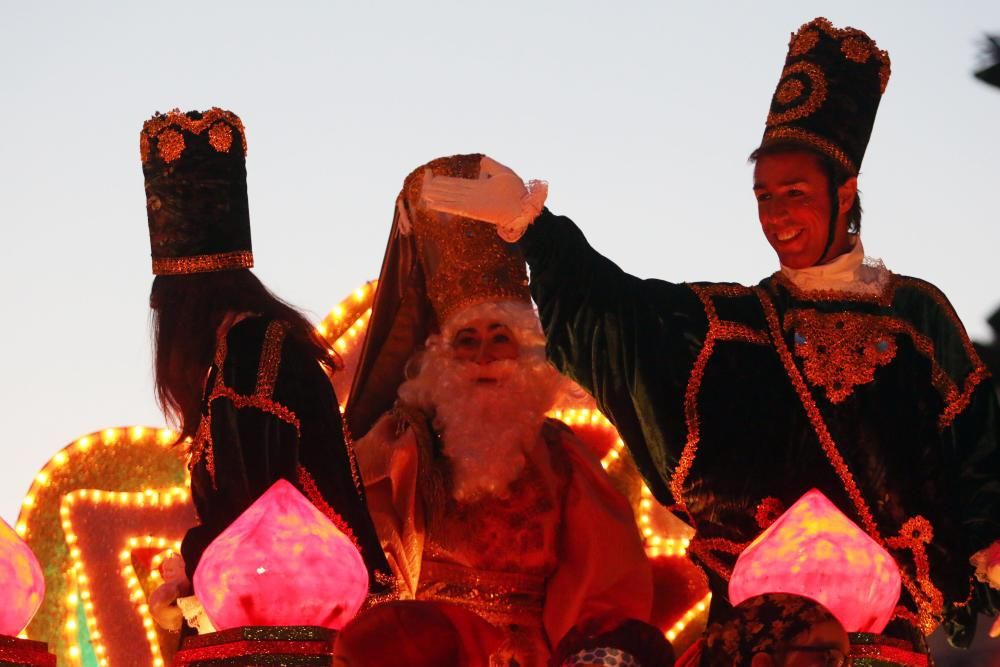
(22, 584)
(282, 562)
(815, 551)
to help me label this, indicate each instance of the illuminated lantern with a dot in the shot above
(816, 551)
(281, 563)
(22, 585)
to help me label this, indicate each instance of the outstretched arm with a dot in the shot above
(630, 342)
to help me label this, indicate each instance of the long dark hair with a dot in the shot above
(187, 311)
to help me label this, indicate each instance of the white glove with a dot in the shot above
(498, 197)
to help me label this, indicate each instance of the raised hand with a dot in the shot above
(494, 197)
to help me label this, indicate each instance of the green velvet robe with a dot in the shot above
(270, 412)
(734, 401)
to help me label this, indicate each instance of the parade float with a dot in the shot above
(110, 507)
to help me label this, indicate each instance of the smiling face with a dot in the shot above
(794, 208)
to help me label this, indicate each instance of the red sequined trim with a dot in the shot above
(201, 447)
(927, 614)
(353, 458)
(788, 92)
(704, 546)
(859, 40)
(220, 136)
(842, 350)
(270, 359)
(955, 400)
(740, 332)
(803, 42)
(979, 372)
(914, 536)
(825, 146)
(312, 491)
(222, 261)
(815, 418)
(717, 330)
(861, 654)
(768, 511)
(170, 142)
(883, 298)
(241, 401)
(691, 401)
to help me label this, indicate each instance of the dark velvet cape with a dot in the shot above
(709, 386)
(270, 412)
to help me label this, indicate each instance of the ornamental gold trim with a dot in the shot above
(221, 261)
(166, 129)
(798, 135)
(787, 92)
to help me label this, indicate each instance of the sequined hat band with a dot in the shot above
(223, 261)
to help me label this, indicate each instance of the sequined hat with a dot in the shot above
(464, 261)
(435, 266)
(194, 166)
(829, 92)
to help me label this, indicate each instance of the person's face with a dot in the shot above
(483, 341)
(794, 208)
(823, 645)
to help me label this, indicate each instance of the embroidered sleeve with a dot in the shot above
(629, 342)
(928, 310)
(261, 399)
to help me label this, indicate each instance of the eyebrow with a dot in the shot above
(497, 325)
(782, 184)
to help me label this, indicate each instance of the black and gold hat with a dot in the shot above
(194, 166)
(829, 92)
(464, 262)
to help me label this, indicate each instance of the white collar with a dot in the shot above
(849, 272)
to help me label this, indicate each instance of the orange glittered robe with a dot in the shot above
(562, 548)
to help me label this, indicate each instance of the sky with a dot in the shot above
(640, 115)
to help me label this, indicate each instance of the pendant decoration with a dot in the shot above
(840, 351)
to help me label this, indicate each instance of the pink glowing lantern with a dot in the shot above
(22, 584)
(815, 551)
(282, 562)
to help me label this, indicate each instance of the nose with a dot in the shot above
(773, 213)
(485, 355)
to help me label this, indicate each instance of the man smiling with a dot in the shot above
(833, 373)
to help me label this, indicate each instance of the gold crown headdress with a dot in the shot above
(436, 265)
(464, 261)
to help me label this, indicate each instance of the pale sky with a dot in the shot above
(639, 114)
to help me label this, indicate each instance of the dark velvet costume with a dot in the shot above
(735, 401)
(270, 412)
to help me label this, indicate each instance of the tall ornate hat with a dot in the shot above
(435, 266)
(829, 92)
(464, 262)
(194, 166)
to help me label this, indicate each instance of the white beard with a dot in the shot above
(486, 427)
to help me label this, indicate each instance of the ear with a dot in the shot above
(762, 660)
(847, 193)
